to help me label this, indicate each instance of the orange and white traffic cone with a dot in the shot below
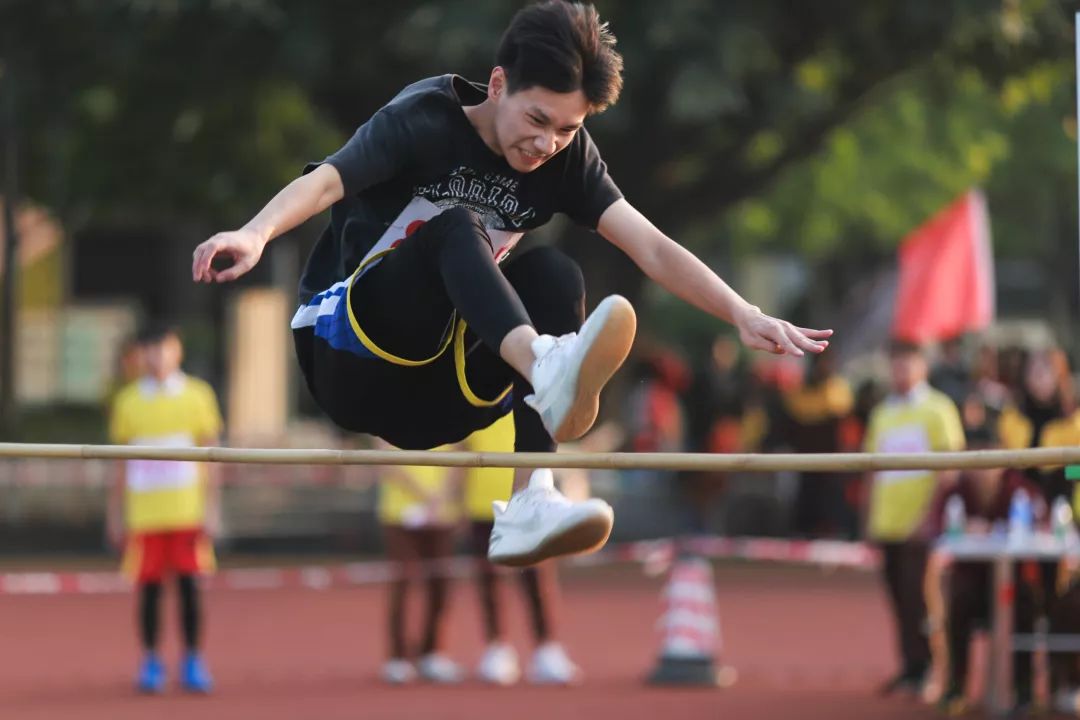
(691, 629)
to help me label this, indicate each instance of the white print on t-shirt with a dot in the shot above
(490, 195)
(418, 212)
(145, 475)
(904, 439)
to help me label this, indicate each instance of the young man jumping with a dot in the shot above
(416, 326)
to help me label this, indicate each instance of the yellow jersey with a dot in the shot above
(1014, 429)
(181, 411)
(810, 404)
(398, 505)
(925, 420)
(485, 485)
(1064, 433)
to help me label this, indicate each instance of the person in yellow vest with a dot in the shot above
(913, 418)
(1064, 432)
(810, 421)
(484, 487)
(1061, 585)
(164, 513)
(419, 510)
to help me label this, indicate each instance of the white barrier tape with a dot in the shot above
(319, 577)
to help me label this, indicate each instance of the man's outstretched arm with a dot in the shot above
(301, 199)
(677, 270)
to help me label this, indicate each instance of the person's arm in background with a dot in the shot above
(119, 432)
(396, 474)
(452, 498)
(114, 506)
(212, 523)
(211, 429)
(870, 444)
(946, 435)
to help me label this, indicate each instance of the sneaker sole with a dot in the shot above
(585, 537)
(605, 356)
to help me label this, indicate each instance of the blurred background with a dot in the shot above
(879, 168)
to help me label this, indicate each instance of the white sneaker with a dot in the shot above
(398, 671)
(569, 371)
(539, 523)
(499, 665)
(437, 668)
(1067, 701)
(552, 666)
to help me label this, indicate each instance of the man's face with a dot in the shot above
(1040, 378)
(907, 369)
(162, 358)
(535, 124)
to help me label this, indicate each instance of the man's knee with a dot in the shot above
(455, 222)
(552, 288)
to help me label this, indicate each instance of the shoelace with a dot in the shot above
(550, 344)
(536, 496)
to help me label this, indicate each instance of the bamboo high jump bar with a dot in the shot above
(831, 462)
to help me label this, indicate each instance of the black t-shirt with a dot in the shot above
(419, 155)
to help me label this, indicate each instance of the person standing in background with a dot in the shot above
(164, 513)
(913, 418)
(951, 373)
(499, 664)
(419, 510)
(716, 411)
(987, 495)
(810, 422)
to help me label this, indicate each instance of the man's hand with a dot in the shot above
(212, 526)
(243, 246)
(762, 332)
(114, 532)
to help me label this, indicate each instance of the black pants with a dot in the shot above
(1065, 618)
(819, 505)
(410, 548)
(969, 607)
(406, 305)
(904, 569)
(150, 613)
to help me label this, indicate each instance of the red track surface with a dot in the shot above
(806, 644)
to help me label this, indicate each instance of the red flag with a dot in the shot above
(946, 282)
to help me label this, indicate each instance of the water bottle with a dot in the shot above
(955, 517)
(1021, 517)
(1061, 518)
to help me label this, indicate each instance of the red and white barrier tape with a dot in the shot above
(654, 555)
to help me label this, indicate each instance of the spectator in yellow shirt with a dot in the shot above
(419, 510)
(163, 513)
(913, 418)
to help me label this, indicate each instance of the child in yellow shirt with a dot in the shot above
(162, 512)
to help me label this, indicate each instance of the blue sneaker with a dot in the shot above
(151, 675)
(194, 675)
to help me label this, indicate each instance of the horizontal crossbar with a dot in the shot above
(766, 462)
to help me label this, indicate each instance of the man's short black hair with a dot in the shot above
(562, 46)
(154, 331)
(899, 347)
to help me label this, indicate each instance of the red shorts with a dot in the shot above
(150, 556)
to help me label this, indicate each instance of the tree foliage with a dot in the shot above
(744, 125)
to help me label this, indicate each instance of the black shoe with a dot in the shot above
(1025, 706)
(953, 703)
(903, 684)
